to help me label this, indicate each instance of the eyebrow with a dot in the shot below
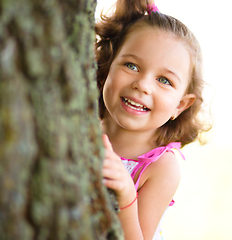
(173, 73)
(131, 55)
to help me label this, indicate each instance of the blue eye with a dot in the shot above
(132, 66)
(164, 80)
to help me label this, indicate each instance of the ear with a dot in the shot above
(185, 103)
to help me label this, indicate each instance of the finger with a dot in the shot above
(109, 163)
(113, 184)
(106, 142)
(112, 161)
(111, 173)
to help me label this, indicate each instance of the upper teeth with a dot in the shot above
(133, 103)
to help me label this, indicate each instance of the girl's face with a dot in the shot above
(147, 81)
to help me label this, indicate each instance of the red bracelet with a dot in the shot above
(130, 203)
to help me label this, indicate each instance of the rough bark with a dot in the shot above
(50, 139)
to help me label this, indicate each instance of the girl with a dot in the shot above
(149, 76)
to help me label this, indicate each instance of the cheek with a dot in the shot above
(171, 100)
(107, 88)
(105, 93)
(109, 92)
(112, 84)
(168, 104)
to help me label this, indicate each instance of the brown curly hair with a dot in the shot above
(111, 32)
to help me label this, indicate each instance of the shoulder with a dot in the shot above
(167, 166)
(165, 171)
(158, 185)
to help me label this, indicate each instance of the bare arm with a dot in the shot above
(117, 178)
(161, 180)
(158, 185)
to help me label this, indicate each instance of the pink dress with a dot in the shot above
(143, 162)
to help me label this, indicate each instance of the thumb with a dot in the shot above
(106, 142)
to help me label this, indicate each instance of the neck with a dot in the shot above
(126, 143)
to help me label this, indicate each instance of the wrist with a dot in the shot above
(131, 203)
(127, 198)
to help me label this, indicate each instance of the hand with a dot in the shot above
(116, 176)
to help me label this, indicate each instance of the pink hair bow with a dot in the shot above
(152, 8)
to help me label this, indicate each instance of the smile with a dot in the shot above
(133, 105)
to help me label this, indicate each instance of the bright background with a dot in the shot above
(203, 201)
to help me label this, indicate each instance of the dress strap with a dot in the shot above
(177, 146)
(145, 165)
(146, 159)
(156, 153)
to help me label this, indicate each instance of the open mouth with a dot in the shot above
(134, 105)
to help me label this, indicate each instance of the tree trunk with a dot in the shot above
(50, 138)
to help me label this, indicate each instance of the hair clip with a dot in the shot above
(152, 8)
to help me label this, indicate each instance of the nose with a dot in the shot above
(143, 84)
